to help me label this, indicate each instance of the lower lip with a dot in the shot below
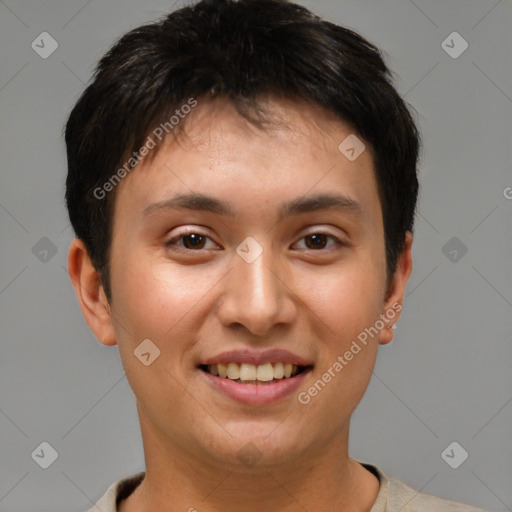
(256, 394)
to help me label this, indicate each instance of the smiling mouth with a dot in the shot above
(246, 373)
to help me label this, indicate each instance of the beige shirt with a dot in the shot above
(394, 496)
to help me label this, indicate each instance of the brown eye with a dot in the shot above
(189, 241)
(193, 241)
(318, 241)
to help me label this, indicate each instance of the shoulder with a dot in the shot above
(116, 492)
(405, 498)
(394, 495)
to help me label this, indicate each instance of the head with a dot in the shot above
(247, 103)
(244, 52)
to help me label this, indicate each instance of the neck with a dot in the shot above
(177, 480)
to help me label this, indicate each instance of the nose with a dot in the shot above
(257, 295)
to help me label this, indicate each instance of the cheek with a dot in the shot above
(153, 296)
(353, 340)
(350, 299)
(145, 306)
(161, 301)
(348, 307)
(152, 302)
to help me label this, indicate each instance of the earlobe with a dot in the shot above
(396, 291)
(91, 296)
(386, 334)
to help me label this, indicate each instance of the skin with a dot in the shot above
(194, 303)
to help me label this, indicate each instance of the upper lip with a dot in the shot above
(257, 357)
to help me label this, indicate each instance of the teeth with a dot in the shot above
(265, 372)
(248, 372)
(233, 371)
(222, 369)
(251, 372)
(278, 371)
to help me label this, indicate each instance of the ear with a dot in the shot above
(396, 290)
(90, 293)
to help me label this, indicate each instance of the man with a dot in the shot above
(242, 184)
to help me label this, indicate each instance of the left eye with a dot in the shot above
(190, 241)
(318, 240)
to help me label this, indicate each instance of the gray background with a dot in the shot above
(447, 375)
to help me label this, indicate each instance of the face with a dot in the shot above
(281, 260)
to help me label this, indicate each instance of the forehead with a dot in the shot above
(291, 121)
(217, 151)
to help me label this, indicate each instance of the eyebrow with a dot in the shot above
(303, 204)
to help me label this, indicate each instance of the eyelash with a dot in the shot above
(171, 244)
